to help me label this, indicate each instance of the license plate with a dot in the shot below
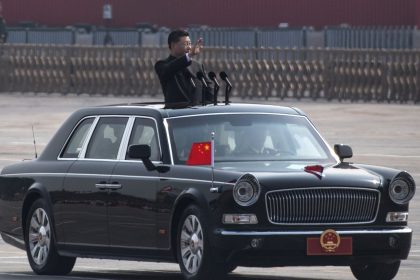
(329, 244)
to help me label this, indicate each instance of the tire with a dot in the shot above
(375, 271)
(195, 256)
(229, 267)
(40, 243)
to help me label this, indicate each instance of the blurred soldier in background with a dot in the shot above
(3, 31)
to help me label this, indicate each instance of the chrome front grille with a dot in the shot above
(332, 205)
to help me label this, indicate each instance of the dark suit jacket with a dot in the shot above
(179, 82)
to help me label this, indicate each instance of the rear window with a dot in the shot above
(75, 144)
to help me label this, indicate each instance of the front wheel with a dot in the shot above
(229, 267)
(375, 271)
(40, 243)
(193, 248)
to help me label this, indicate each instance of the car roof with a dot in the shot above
(153, 108)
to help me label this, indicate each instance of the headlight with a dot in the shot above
(246, 190)
(401, 190)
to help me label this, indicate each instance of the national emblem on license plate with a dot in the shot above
(330, 243)
(330, 240)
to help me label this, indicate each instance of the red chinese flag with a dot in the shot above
(200, 154)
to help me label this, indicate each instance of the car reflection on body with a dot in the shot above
(210, 187)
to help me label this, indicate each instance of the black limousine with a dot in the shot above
(209, 187)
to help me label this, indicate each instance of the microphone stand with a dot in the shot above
(204, 88)
(228, 88)
(212, 77)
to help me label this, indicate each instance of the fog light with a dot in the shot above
(256, 242)
(240, 219)
(396, 217)
(393, 242)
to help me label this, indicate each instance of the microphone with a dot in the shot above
(228, 88)
(224, 77)
(200, 76)
(192, 82)
(212, 77)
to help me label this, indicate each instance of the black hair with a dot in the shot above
(175, 35)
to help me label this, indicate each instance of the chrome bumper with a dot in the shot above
(305, 233)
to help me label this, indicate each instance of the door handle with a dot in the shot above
(108, 186)
(101, 186)
(114, 186)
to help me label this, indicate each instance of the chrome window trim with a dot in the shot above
(315, 232)
(71, 134)
(112, 160)
(319, 224)
(125, 139)
(171, 155)
(155, 162)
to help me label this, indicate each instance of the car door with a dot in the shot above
(132, 206)
(87, 183)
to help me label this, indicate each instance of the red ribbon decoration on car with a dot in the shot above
(315, 169)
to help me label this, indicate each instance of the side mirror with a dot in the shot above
(343, 151)
(142, 152)
(139, 152)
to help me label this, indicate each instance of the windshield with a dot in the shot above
(249, 137)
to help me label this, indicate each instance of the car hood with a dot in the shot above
(293, 175)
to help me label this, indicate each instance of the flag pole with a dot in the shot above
(212, 149)
(212, 157)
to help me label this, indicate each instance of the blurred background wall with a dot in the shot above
(232, 13)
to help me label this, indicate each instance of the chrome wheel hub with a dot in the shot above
(192, 245)
(39, 236)
(42, 236)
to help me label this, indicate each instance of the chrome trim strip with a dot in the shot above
(107, 246)
(316, 232)
(119, 176)
(134, 177)
(318, 188)
(236, 113)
